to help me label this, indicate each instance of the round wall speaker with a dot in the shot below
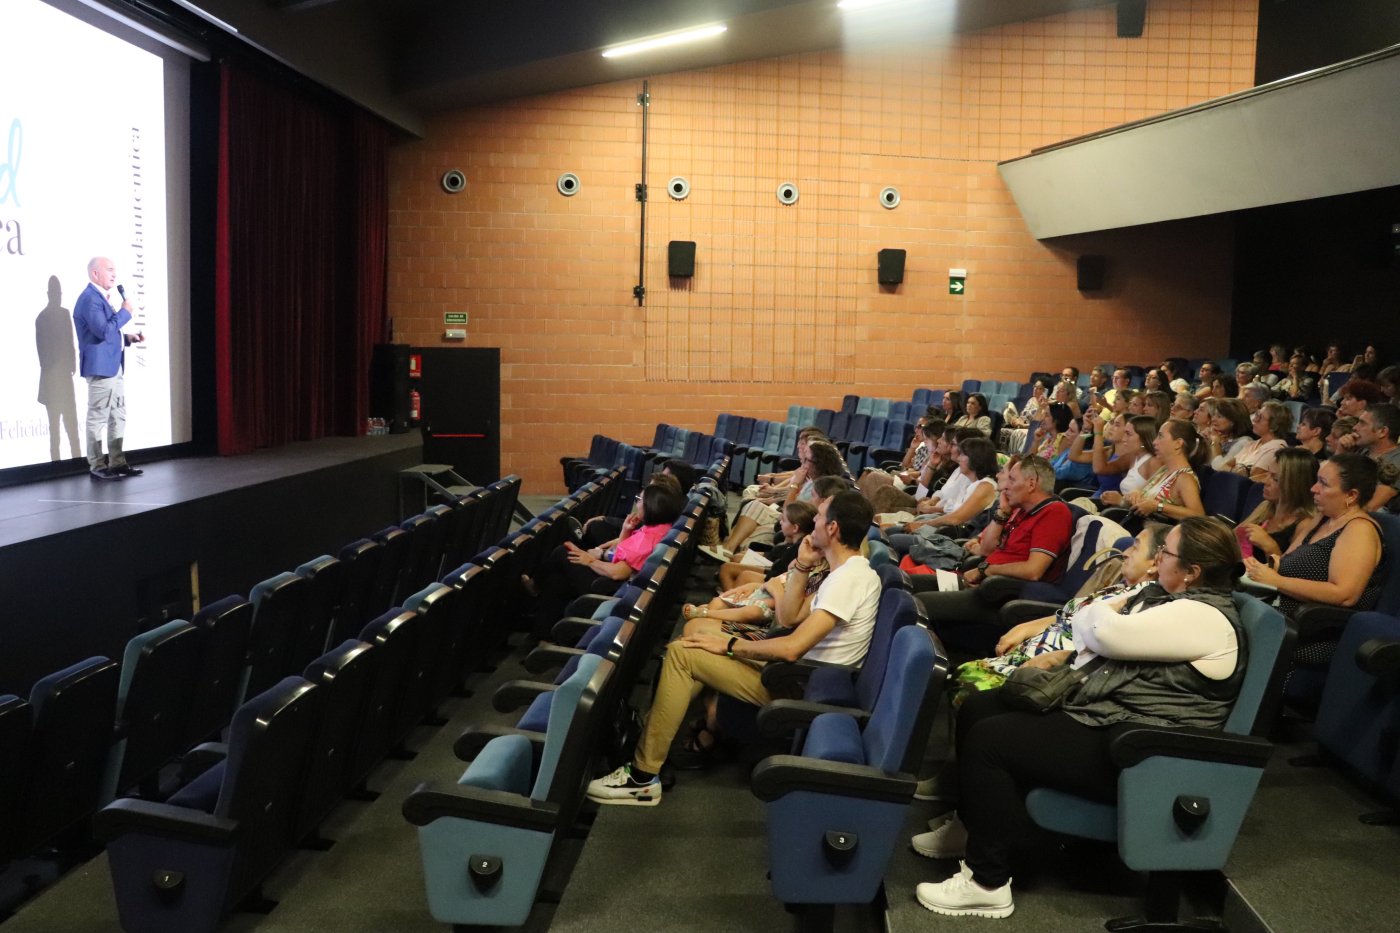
(678, 188)
(567, 184)
(889, 198)
(453, 181)
(788, 193)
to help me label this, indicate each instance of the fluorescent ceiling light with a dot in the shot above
(664, 40)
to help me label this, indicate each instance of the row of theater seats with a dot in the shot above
(299, 745)
(99, 729)
(836, 804)
(696, 448)
(486, 839)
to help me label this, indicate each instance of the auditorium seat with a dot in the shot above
(438, 648)
(185, 864)
(153, 703)
(360, 559)
(1183, 793)
(325, 580)
(394, 636)
(393, 554)
(73, 712)
(278, 605)
(16, 731)
(485, 840)
(219, 671)
(414, 570)
(343, 675)
(836, 811)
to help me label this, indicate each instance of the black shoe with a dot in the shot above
(126, 469)
(102, 473)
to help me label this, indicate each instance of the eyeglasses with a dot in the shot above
(1165, 550)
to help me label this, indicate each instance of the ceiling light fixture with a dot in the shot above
(664, 40)
(862, 4)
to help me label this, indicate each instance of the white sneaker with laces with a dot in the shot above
(946, 839)
(620, 788)
(960, 896)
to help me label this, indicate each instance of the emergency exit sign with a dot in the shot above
(957, 281)
(458, 318)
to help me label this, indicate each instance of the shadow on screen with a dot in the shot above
(58, 361)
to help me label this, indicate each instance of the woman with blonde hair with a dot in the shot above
(1288, 500)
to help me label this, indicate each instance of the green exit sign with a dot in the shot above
(454, 317)
(957, 281)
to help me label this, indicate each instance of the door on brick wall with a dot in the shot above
(461, 409)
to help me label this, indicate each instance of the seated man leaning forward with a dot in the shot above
(836, 630)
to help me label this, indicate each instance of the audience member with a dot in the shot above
(1174, 490)
(1374, 435)
(1254, 395)
(1355, 395)
(836, 629)
(1228, 432)
(975, 491)
(1335, 558)
(1028, 539)
(1136, 438)
(1287, 500)
(975, 415)
(1271, 423)
(1166, 656)
(1314, 424)
(794, 522)
(1297, 384)
(1205, 386)
(1223, 386)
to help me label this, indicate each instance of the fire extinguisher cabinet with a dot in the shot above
(460, 398)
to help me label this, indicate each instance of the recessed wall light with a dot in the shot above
(664, 40)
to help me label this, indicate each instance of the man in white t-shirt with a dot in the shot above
(836, 630)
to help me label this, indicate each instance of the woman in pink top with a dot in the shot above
(570, 570)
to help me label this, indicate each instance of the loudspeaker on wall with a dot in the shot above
(680, 258)
(1091, 269)
(891, 266)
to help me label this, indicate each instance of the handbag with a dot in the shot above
(1037, 690)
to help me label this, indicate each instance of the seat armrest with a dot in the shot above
(1136, 745)
(1025, 610)
(431, 801)
(1379, 656)
(569, 629)
(200, 759)
(1316, 622)
(585, 604)
(474, 738)
(513, 694)
(1257, 590)
(129, 815)
(782, 718)
(779, 775)
(782, 678)
(549, 657)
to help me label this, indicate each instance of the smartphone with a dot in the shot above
(1246, 545)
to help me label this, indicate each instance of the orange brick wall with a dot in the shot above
(784, 307)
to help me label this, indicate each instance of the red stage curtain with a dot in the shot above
(301, 252)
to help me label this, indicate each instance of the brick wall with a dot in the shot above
(784, 306)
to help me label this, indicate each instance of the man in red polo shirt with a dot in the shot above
(1028, 539)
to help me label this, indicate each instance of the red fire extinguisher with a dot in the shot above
(415, 406)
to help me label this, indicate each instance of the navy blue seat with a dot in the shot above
(325, 584)
(836, 811)
(218, 676)
(343, 676)
(153, 703)
(185, 864)
(16, 728)
(387, 719)
(73, 713)
(278, 606)
(360, 560)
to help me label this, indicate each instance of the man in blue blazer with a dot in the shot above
(101, 346)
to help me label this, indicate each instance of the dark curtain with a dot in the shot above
(300, 264)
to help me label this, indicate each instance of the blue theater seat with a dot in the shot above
(1183, 793)
(153, 702)
(836, 811)
(278, 606)
(16, 728)
(181, 866)
(485, 841)
(343, 676)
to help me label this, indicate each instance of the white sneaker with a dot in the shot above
(717, 552)
(946, 839)
(619, 788)
(960, 896)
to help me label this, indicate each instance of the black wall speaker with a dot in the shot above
(680, 258)
(1132, 15)
(1091, 270)
(891, 266)
(389, 385)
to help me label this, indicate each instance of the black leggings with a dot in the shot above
(559, 581)
(1002, 754)
(967, 621)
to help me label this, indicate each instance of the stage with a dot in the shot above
(85, 565)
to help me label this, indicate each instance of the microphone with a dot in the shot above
(121, 290)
